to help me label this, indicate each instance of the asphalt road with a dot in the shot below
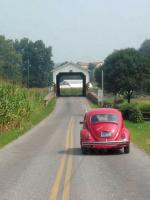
(47, 164)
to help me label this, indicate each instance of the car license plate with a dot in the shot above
(105, 134)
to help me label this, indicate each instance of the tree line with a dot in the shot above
(25, 62)
(127, 71)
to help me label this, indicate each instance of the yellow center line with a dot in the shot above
(66, 192)
(55, 188)
(56, 185)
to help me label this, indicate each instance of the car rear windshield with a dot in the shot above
(104, 118)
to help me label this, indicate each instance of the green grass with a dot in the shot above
(93, 105)
(140, 134)
(71, 91)
(35, 118)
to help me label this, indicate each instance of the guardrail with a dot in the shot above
(92, 97)
(48, 97)
(146, 115)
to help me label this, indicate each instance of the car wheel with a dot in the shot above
(127, 149)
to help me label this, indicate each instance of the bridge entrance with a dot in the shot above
(71, 84)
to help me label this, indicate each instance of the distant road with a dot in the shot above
(47, 164)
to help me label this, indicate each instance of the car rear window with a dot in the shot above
(104, 118)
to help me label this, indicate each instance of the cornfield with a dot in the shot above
(16, 105)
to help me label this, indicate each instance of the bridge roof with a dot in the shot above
(60, 67)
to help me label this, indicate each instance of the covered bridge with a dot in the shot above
(70, 71)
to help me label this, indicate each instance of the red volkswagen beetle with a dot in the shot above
(103, 128)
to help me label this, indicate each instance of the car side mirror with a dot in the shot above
(82, 122)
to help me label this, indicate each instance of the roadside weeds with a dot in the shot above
(13, 134)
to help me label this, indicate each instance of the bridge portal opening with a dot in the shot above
(71, 84)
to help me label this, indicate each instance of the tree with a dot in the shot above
(37, 62)
(145, 47)
(97, 75)
(91, 68)
(145, 50)
(124, 72)
(10, 61)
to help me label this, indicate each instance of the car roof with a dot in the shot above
(103, 111)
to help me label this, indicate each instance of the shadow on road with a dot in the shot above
(77, 152)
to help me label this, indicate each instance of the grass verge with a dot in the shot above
(35, 118)
(93, 105)
(71, 91)
(140, 134)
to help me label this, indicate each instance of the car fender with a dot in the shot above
(85, 135)
(127, 133)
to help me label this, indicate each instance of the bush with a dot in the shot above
(126, 109)
(131, 112)
(136, 115)
(119, 100)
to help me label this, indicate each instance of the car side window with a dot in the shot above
(94, 118)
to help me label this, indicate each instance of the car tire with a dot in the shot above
(127, 149)
(84, 150)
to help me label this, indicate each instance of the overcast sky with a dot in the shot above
(78, 30)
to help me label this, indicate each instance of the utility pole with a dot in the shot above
(101, 91)
(28, 71)
(102, 88)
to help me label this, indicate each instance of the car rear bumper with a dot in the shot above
(105, 144)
